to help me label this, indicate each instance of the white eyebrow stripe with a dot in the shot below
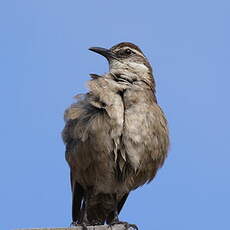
(134, 50)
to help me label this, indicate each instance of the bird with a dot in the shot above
(116, 136)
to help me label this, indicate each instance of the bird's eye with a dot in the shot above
(123, 53)
(128, 51)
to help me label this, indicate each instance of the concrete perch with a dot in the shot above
(97, 227)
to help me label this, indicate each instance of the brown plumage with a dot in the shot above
(116, 136)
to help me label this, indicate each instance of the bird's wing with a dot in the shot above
(71, 137)
(88, 123)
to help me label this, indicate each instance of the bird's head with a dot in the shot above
(128, 62)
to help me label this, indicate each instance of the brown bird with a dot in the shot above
(116, 136)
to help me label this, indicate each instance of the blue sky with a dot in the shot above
(45, 62)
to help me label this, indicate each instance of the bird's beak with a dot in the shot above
(104, 52)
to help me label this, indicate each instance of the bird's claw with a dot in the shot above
(126, 225)
(75, 224)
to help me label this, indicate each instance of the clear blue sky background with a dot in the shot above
(44, 62)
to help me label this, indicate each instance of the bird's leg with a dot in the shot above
(115, 211)
(116, 219)
(83, 219)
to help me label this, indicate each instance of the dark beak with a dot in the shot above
(104, 52)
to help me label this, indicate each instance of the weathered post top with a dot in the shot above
(97, 227)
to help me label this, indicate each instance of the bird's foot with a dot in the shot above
(74, 224)
(126, 224)
(83, 225)
(94, 223)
